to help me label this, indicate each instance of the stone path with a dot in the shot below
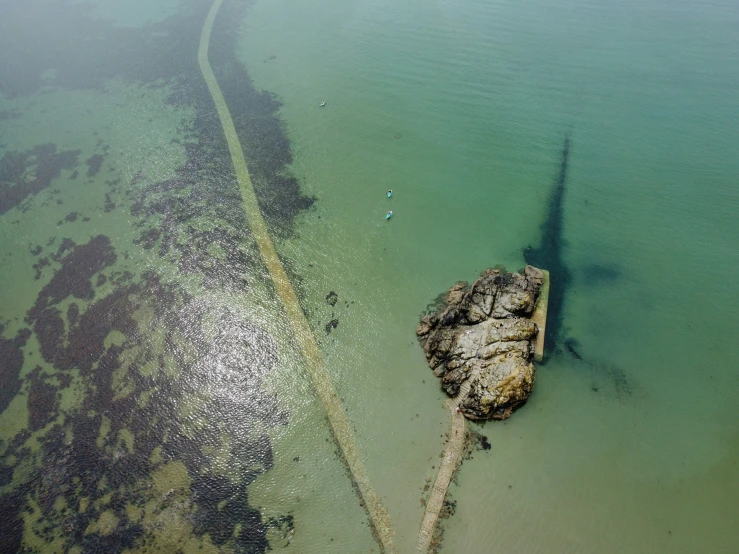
(449, 462)
(337, 416)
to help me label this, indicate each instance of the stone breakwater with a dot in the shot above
(483, 336)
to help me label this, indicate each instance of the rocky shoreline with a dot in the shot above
(481, 342)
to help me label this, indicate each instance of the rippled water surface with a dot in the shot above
(152, 397)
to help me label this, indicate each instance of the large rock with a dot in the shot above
(483, 336)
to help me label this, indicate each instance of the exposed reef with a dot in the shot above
(480, 342)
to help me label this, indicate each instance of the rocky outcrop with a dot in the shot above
(483, 336)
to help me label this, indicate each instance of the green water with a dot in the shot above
(462, 109)
(483, 94)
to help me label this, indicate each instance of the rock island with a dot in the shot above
(481, 342)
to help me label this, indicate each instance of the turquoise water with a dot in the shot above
(629, 442)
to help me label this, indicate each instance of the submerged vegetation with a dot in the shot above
(145, 414)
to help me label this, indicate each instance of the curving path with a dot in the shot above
(447, 467)
(337, 416)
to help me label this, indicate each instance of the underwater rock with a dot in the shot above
(333, 324)
(332, 298)
(484, 336)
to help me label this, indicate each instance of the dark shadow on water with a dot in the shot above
(607, 378)
(76, 460)
(595, 274)
(548, 255)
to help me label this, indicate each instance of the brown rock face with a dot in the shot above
(481, 343)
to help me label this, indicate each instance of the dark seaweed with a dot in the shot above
(148, 238)
(333, 324)
(332, 298)
(23, 174)
(11, 522)
(43, 400)
(39, 265)
(73, 314)
(262, 135)
(94, 163)
(109, 205)
(170, 215)
(148, 55)
(573, 345)
(223, 506)
(11, 362)
(79, 264)
(6, 475)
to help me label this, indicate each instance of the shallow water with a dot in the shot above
(188, 422)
